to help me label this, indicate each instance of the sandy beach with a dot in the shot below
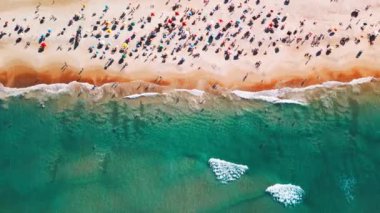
(248, 45)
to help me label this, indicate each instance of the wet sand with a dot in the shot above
(19, 76)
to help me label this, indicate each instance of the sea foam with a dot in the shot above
(277, 96)
(287, 194)
(46, 89)
(226, 171)
(268, 96)
(347, 185)
(194, 92)
(148, 94)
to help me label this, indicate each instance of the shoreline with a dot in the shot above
(136, 91)
(20, 76)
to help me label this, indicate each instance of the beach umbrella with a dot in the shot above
(109, 31)
(43, 44)
(177, 13)
(124, 45)
(133, 23)
(152, 14)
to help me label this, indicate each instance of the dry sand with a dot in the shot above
(20, 67)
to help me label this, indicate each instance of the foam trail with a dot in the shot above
(287, 194)
(277, 96)
(54, 88)
(347, 185)
(194, 92)
(226, 171)
(330, 84)
(268, 96)
(148, 94)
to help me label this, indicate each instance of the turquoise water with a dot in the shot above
(119, 156)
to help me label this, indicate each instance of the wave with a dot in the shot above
(226, 171)
(286, 95)
(271, 97)
(287, 194)
(46, 88)
(278, 95)
(331, 84)
(194, 92)
(148, 94)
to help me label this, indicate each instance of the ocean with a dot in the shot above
(72, 152)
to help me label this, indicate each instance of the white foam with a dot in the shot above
(47, 88)
(268, 96)
(361, 80)
(347, 185)
(148, 94)
(272, 96)
(330, 84)
(287, 194)
(226, 171)
(194, 92)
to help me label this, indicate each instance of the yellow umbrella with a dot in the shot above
(109, 31)
(124, 45)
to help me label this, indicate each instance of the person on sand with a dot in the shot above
(63, 68)
(42, 47)
(27, 45)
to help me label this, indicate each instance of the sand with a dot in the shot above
(22, 67)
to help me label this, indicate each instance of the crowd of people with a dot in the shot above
(230, 30)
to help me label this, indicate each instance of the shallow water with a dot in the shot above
(143, 156)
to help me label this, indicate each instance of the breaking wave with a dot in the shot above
(287, 194)
(225, 171)
(138, 90)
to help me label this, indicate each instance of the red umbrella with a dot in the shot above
(184, 24)
(152, 14)
(43, 44)
(177, 13)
